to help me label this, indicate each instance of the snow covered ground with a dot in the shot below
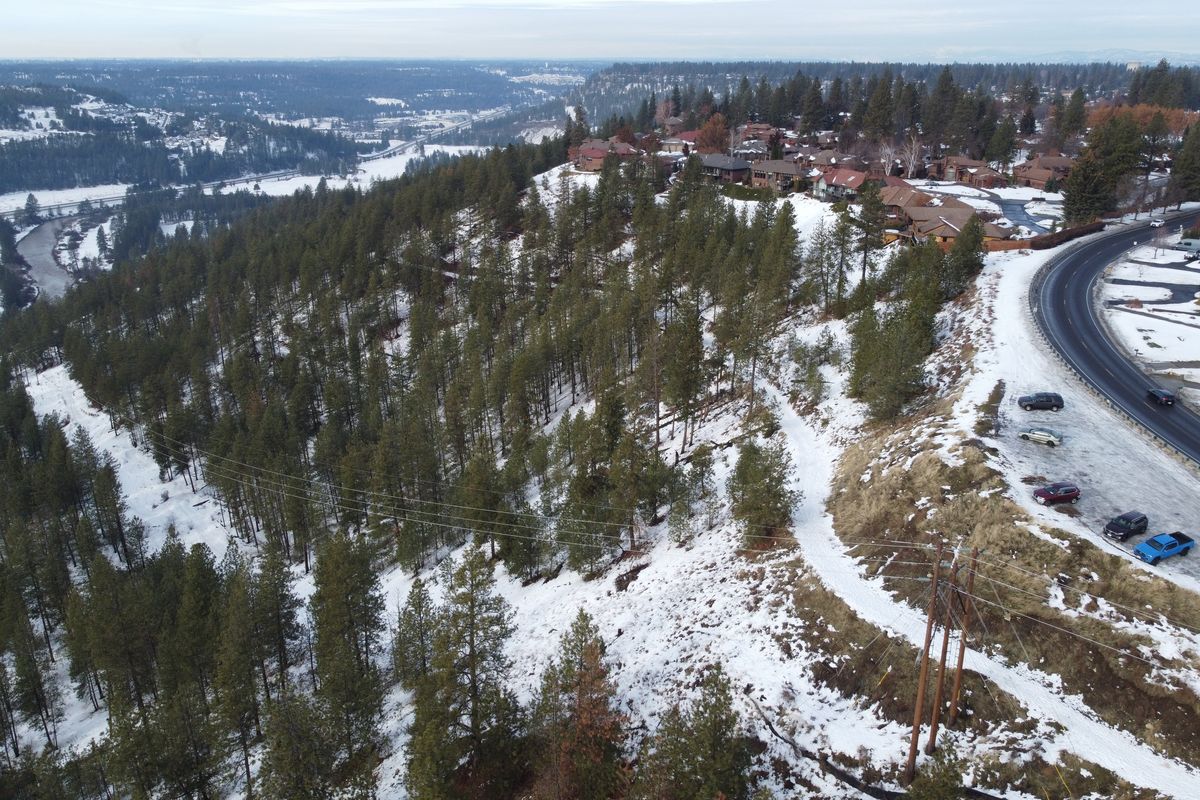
(1117, 468)
(1166, 327)
(379, 169)
(53, 197)
(540, 134)
(704, 602)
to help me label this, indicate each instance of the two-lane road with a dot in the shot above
(1062, 306)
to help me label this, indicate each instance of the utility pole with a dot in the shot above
(968, 605)
(941, 678)
(910, 767)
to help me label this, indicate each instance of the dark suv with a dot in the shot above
(1041, 401)
(1131, 523)
(1161, 396)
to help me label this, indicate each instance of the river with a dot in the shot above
(38, 251)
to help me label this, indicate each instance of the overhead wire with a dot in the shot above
(289, 488)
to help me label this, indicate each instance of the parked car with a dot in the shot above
(1164, 545)
(1058, 492)
(1041, 401)
(1157, 222)
(1131, 523)
(1041, 436)
(1161, 396)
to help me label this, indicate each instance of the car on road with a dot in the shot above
(1057, 492)
(1041, 401)
(1041, 436)
(1164, 545)
(1157, 222)
(1161, 396)
(1131, 523)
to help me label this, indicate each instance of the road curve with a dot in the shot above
(1061, 300)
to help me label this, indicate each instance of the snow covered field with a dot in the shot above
(379, 169)
(53, 197)
(1166, 328)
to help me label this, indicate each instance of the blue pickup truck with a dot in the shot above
(1165, 545)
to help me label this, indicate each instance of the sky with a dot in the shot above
(863, 30)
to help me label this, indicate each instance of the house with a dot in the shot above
(592, 152)
(724, 169)
(1039, 171)
(898, 198)
(753, 150)
(961, 169)
(755, 132)
(839, 184)
(942, 224)
(779, 175)
(824, 159)
(673, 125)
(674, 145)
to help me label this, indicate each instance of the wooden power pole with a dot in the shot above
(936, 716)
(911, 766)
(968, 606)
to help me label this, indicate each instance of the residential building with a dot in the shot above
(721, 168)
(592, 152)
(1041, 170)
(961, 169)
(839, 184)
(779, 175)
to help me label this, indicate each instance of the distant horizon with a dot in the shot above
(1146, 59)
(865, 31)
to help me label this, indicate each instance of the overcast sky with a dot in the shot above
(875, 30)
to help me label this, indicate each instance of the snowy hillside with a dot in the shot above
(794, 622)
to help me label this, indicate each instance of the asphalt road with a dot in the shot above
(1062, 306)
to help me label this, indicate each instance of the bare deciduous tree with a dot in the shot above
(910, 151)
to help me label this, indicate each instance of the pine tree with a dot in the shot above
(274, 612)
(1088, 193)
(413, 651)
(1003, 142)
(298, 760)
(760, 493)
(466, 728)
(33, 210)
(871, 220)
(1074, 119)
(965, 259)
(684, 370)
(579, 731)
(347, 610)
(1185, 173)
(235, 683)
(699, 751)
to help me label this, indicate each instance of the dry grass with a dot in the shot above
(860, 660)
(989, 412)
(913, 496)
